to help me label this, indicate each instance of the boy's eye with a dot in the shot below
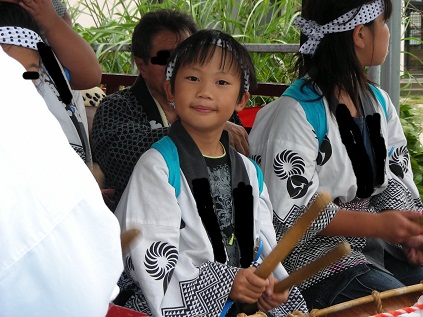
(222, 82)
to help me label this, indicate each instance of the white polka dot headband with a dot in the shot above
(218, 42)
(15, 35)
(348, 21)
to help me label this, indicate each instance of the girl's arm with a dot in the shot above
(73, 52)
(391, 225)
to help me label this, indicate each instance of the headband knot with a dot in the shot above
(348, 21)
(313, 31)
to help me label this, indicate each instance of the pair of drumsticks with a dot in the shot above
(288, 242)
(284, 247)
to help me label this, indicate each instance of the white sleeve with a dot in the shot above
(284, 143)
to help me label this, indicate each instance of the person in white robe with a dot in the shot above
(60, 252)
(332, 131)
(23, 39)
(199, 233)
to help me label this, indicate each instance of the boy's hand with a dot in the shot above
(248, 287)
(413, 249)
(269, 299)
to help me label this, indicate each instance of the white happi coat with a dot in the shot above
(285, 145)
(60, 252)
(173, 261)
(48, 90)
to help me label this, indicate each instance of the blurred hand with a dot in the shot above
(413, 249)
(395, 226)
(238, 138)
(269, 299)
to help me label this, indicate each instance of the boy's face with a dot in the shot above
(205, 96)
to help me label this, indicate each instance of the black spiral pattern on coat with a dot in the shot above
(398, 162)
(160, 261)
(290, 166)
(288, 158)
(256, 158)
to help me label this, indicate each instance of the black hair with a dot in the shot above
(12, 14)
(200, 48)
(334, 63)
(152, 23)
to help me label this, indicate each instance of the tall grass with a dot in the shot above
(250, 21)
(262, 21)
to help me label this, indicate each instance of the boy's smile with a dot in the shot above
(205, 96)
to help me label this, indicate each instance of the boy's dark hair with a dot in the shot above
(200, 48)
(152, 23)
(334, 63)
(12, 14)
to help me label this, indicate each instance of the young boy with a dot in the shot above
(201, 221)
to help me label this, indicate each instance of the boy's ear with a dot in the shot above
(358, 36)
(168, 91)
(241, 105)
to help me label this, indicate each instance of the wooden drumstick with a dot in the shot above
(312, 268)
(292, 236)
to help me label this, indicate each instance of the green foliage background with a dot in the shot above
(411, 120)
(262, 21)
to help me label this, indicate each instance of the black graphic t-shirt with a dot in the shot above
(220, 184)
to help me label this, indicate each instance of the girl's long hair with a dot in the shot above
(12, 14)
(335, 64)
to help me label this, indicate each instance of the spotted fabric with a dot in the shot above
(93, 96)
(348, 21)
(14, 35)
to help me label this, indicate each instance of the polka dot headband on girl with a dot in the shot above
(15, 35)
(348, 21)
(223, 44)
